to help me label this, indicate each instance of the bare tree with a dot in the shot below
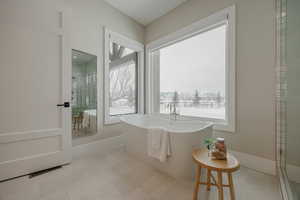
(131, 97)
(196, 99)
(122, 78)
(121, 84)
(175, 99)
(218, 99)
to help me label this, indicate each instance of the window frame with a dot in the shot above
(225, 16)
(110, 36)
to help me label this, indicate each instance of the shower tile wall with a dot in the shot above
(84, 85)
(287, 97)
(281, 94)
(281, 83)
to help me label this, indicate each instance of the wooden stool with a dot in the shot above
(228, 166)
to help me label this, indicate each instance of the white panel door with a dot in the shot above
(35, 76)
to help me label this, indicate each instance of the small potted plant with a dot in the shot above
(209, 143)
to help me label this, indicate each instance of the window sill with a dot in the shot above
(112, 121)
(116, 119)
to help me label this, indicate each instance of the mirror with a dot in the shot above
(84, 94)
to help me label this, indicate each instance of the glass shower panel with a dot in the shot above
(84, 94)
(293, 97)
(288, 97)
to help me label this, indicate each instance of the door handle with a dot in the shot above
(65, 104)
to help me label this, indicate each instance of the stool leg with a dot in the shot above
(197, 183)
(231, 186)
(220, 187)
(208, 179)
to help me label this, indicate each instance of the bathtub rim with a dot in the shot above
(208, 124)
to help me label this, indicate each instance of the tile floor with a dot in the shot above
(119, 176)
(82, 133)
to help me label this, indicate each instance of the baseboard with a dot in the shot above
(293, 173)
(250, 161)
(99, 146)
(255, 162)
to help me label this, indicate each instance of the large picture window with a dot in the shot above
(192, 75)
(123, 76)
(194, 69)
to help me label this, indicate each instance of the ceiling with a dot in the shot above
(145, 11)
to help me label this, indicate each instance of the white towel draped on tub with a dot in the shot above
(159, 145)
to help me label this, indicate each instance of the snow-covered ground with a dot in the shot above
(205, 112)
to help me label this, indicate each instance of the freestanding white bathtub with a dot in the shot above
(185, 135)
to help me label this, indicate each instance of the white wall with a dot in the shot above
(88, 19)
(255, 131)
(255, 57)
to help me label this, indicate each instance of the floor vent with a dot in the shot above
(38, 173)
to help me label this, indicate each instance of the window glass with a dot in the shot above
(123, 78)
(192, 75)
